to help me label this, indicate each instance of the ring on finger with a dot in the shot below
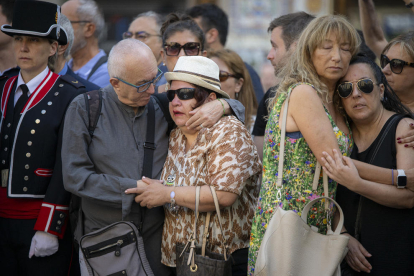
(201, 125)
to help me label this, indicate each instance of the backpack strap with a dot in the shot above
(93, 102)
(163, 103)
(149, 148)
(100, 61)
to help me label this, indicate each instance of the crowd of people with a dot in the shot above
(180, 121)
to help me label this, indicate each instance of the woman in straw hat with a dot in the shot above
(222, 156)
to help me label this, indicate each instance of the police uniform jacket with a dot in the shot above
(33, 158)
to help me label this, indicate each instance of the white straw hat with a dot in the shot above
(197, 70)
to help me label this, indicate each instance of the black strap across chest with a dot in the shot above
(101, 61)
(93, 101)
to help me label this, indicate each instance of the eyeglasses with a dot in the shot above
(143, 87)
(80, 21)
(141, 35)
(396, 65)
(364, 85)
(223, 75)
(182, 93)
(174, 48)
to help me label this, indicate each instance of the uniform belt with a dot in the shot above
(4, 177)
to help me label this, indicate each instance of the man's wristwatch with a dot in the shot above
(410, 5)
(401, 179)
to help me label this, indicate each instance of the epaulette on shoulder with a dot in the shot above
(72, 81)
(3, 80)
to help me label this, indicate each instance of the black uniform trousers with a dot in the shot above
(15, 240)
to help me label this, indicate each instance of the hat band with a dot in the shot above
(24, 32)
(209, 80)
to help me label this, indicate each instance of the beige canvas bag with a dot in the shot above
(290, 246)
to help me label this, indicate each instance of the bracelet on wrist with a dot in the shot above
(224, 110)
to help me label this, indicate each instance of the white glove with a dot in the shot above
(43, 244)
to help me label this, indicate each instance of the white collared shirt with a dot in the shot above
(32, 84)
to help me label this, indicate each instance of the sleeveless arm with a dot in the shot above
(386, 195)
(307, 115)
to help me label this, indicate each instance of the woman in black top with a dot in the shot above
(381, 242)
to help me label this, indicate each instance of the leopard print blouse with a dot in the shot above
(223, 156)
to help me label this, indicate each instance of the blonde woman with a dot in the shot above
(236, 82)
(322, 57)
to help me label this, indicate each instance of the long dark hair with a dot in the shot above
(390, 101)
(176, 22)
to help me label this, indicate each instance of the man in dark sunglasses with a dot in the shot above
(101, 167)
(146, 28)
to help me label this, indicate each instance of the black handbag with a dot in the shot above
(198, 261)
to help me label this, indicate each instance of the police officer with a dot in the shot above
(33, 202)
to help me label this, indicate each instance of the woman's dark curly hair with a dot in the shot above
(201, 94)
(176, 22)
(390, 101)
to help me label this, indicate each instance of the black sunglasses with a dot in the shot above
(223, 75)
(182, 93)
(396, 65)
(174, 48)
(364, 85)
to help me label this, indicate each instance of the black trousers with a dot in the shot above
(15, 239)
(239, 267)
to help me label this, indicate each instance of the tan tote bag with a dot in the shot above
(290, 246)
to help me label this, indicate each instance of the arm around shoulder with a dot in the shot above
(307, 115)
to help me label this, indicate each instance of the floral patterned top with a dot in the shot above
(299, 170)
(225, 157)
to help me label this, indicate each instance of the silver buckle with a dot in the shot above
(4, 177)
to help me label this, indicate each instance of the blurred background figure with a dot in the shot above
(214, 22)
(146, 28)
(268, 77)
(88, 61)
(236, 82)
(61, 65)
(8, 66)
(397, 57)
(284, 33)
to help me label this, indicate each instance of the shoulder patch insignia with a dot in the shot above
(72, 81)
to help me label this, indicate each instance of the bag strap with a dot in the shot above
(223, 240)
(309, 205)
(163, 103)
(149, 148)
(358, 222)
(205, 234)
(191, 255)
(279, 182)
(93, 103)
(100, 61)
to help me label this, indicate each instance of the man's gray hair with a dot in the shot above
(159, 19)
(118, 53)
(89, 10)
(65, 24)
